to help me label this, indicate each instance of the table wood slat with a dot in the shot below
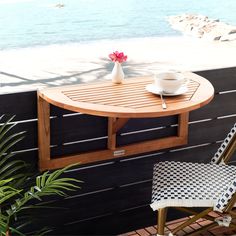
(130, 99)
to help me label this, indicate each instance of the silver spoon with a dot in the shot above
(163, 103)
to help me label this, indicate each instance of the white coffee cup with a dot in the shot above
(170, 81)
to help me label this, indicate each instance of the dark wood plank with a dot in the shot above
(23, 105)
(106, 202)
(119, 222)
(210, 131)
(221, 105)
(57, 111)
(147, 135)
(223, 79)
(78, 128)
(83, 130)
(81, 147)
(30, 137)
(146, 123)
(75, 128)
(136, 169)
(30, 157)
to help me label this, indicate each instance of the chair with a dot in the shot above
(183, 185)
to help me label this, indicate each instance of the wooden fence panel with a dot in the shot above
(115, 195)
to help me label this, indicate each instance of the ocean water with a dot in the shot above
(29, 23)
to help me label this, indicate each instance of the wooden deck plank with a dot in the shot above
(152, 230)
(143, 232)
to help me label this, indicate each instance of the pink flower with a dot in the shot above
(118, 56)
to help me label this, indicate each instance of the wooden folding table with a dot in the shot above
(118, 102)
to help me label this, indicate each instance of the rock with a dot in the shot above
(59, 5)
(203, 27)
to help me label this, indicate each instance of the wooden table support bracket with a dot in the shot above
(43, 130)
(114, 125)
(112, 151)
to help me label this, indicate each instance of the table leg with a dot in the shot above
(114, 125)
(43, 130)
(111, 142)
(183, 125)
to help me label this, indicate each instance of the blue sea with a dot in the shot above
(29, 23)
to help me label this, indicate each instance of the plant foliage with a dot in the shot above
(15, 195)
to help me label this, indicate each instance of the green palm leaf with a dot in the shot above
(6, 158)
(15, 138)
(9, 166)
(7, 192)
(6, 123)
(5, 129)
(15, 196)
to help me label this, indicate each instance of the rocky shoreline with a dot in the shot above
(203, 27)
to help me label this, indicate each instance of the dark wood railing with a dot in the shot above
(115, 195)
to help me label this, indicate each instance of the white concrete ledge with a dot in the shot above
(37, 67)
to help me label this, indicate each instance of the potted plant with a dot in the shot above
(20, 190)
(117, 74)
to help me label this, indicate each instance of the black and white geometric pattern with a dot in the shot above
(225, 197)
(230, 136)
(192, 185)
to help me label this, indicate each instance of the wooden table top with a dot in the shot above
(130, 99)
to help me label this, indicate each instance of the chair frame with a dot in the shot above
(162, 212)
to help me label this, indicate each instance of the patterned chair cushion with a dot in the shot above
(190, 184)
(225, 197)
(220, 151)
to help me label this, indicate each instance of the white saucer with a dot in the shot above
(156, 90)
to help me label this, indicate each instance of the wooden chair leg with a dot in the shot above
(162, 212)
(191, 220)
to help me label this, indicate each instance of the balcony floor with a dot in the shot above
(152, 230)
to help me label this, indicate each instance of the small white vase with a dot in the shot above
(117, 74)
